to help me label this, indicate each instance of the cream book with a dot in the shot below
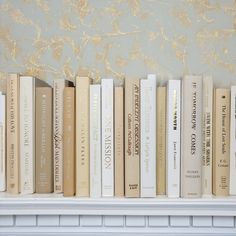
(82, 136)
(2, 142)
(191, 152)
(161, 141)
(107, 138)
(119, 142)
(173, 127)
(95, 141)
(221, 142)
(148, 136)
(13, 90)
(207, 106)
(132, 137)
(69, 142)
(232, 182)
(43, 139)
(58, 90)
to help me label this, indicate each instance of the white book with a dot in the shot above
(148, 136)
(232, 179)
(173, 128)
(107, 138)
(95, 141)
(207, 112)
(2, 142)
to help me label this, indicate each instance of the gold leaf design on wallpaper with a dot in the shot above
(182, 16)
(134, 6)
(65, 23)
(121, 62)
(43, 5)
(68, 71)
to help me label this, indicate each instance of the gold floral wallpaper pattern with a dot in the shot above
(118, 38)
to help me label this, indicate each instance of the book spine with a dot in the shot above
(191, 137)
(27, 135)
(69, 142)
(58, 88)
(2, 142)
(161, 141)
(207, 89)
(148, 137)
(119, 142)
(173, 138)
(132, 137)
(221, 149)
(13, 134)
(43, 140)
(107, 139)
(95, 141)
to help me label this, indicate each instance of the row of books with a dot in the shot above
(98, 140)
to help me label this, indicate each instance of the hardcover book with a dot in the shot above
(107, 138)
(221, 142)
(173, 138)
(148, 136)
(43, 139)
(132, 137)
(191, 155)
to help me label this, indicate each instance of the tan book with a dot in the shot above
(82, 136)
(221, 142)
(132, 137)
(161, 141)
(119, 142)
(13, 85)
(69, 142)
(43, 139)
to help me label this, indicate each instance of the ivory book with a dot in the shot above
(82, 136)
(161, 141)
(43, 139)
(148, 136)
(132, 137)
(69, 142)
(107, 138)
(173, 127)
(95, 141)
(191, 156)
(207, 107)
(13, 91)
(119, 142)
(221, 142)
(2, 142)
(232, 182)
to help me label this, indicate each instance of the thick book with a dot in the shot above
(232, 182)
(69, 142)
(107, 138)
(191, 137)
(207, 112)
(2, 142)
(28, 85)
(13, 91)
(43, 140)
(82, 136)
(132, 137)
(148, 136)
(173, 129)
(58, 90)
(95, 141)
(119, 142)
(161, 141)
(221, 142)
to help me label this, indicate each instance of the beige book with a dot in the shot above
(119, 142)
(161, 141)
(13, 87)
(43, 147)
(132, 137)
(221, 142)
(69, 141)
(82, 136)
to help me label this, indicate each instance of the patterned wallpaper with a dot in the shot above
(118, 38)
